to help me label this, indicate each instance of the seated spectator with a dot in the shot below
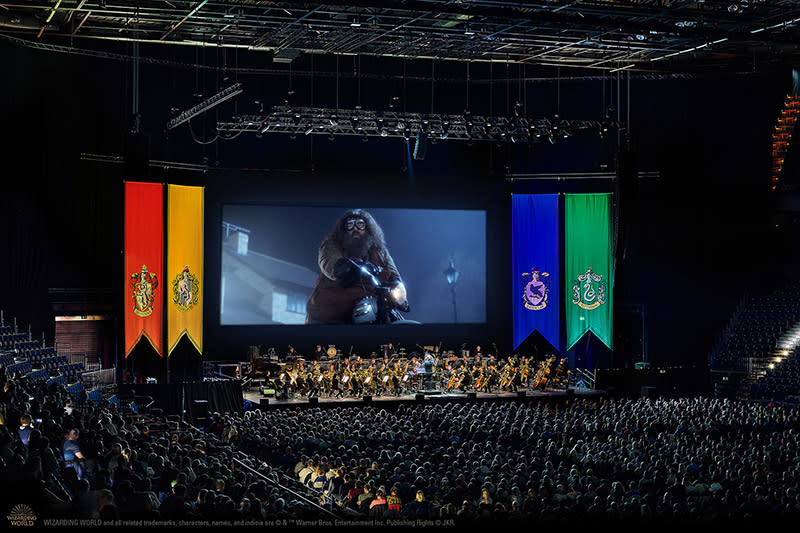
(378, 506)
(394, 502)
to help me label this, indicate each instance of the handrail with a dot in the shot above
(287, 489)
(267, 479)
(589, 378)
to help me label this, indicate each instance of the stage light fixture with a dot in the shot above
(202, 107)
(297, 121)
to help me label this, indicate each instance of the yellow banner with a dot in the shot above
(184, 283)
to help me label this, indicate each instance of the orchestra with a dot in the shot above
(397, 374)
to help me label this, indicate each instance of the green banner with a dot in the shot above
(589, 267)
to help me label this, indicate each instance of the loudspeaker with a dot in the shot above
(367, 399)
(315, 401)
(521, 394)
(419, 397)
(199, 409)
(472, 395)
(263, 402)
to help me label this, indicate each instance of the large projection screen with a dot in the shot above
(270, 261)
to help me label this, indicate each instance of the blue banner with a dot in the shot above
(535, 266)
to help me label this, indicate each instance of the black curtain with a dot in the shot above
(222, 397)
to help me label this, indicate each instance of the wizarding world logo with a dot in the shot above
(21, 515)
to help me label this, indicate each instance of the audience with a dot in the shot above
(693, 459)
(100, 462)
(643, 460)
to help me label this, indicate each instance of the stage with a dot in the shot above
(416, 397)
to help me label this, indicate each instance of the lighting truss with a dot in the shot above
(390, 124)
(205, 105)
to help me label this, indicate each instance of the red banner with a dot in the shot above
(144, 261)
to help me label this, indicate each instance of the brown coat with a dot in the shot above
(332, 303)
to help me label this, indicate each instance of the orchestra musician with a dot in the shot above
(318, 353)
(396, 377)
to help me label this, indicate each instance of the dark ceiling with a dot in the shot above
(654, 36)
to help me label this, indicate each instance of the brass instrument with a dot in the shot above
(292, 375)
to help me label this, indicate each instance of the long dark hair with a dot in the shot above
(374, 231)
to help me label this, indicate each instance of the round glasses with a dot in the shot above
(359, 223)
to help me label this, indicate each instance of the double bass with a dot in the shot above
(543, 373)
(524, 372)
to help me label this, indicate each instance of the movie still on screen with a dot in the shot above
(294, 265)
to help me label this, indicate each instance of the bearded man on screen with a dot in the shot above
(355, 240)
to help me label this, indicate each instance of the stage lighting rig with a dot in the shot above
(205, 105)
(391, 124)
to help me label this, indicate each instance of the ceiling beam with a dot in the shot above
(192, 13)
